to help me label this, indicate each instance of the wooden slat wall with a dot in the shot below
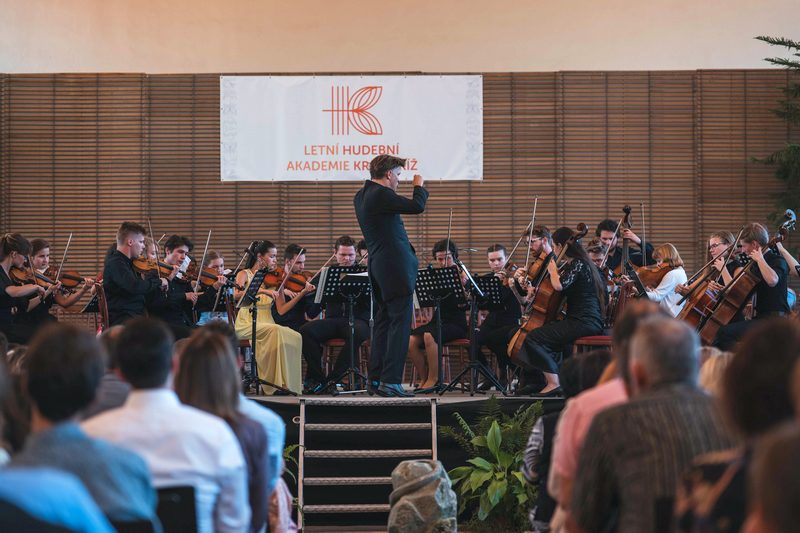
(82, 152)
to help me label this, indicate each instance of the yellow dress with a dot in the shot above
(278, 349)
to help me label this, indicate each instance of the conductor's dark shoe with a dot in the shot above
(372, 386)
(392, 390)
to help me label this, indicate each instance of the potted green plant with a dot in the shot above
(492, 485)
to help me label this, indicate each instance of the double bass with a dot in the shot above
(546, 302)
(733, 298)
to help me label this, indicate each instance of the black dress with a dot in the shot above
(9, 306)
(543, 346)
(454, 322)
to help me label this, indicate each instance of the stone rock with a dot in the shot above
(422, 499)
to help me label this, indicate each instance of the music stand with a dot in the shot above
(433, 286)
(92, 306)
(349, 284)
(486, 293)
(250, 298)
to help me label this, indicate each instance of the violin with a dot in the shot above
(30, 277)
(651, 276)
(207, 276)
(296, 281)
(144, 265)
(70, 279)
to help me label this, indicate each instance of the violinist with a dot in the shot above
(423, 347)
(278, 348)
(771, 290)
(13, 297)
(294, 259)
(667, 258)
(496, 327)
(607, 233)
(363, 254)
(40, 315)
(211, 300)
(580, 282)
(335, 325)
(174, 305)
(125, 289)
(719, 244)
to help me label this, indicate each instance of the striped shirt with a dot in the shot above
(635, 453)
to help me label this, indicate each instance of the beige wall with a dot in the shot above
(157, 36)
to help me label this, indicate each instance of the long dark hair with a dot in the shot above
(575, 251)
(258, 247)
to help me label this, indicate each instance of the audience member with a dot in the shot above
(183, 446)
(64, 368)
(577, 374)
(15, 409)
(756, 397)
(634, 452)
(712, 371)
(774, 486)
(44, 500)
(272, 423)
(207, 378)
(113, 390)
(579, 412)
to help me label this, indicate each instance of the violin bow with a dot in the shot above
(200, 268)
(289, 272)
(644, 235)
(447, 245)
(158, 250)
(530, 234)
(608, 249)
(63, 258)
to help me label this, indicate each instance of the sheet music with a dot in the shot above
(323, 275)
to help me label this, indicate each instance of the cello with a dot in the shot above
(546, 301)
(733, 298)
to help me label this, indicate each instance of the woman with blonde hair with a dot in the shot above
(664, 293)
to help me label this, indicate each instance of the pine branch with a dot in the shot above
(779, 41)
(788, 63)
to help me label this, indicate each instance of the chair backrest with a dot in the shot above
(176, 509)
(231, 311)
(134, 526)
(102, 306)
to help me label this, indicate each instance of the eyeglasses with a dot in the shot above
(715, 245)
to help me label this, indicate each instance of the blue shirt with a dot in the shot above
(54, 497)
(276, 436)
(117, 479)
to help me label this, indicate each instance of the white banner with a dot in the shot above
(290, 128)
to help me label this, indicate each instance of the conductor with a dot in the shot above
(392, 268)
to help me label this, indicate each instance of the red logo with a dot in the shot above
(347, 110)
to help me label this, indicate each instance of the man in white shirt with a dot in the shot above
(183, 446)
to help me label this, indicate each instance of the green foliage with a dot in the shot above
(492, 482)
(786, 160)
(290, 460)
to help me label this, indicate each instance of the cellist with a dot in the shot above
(607, 233)
(770, 292)
(667, 258)
(580, 282)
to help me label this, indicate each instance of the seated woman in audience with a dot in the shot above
(40, 315)
(756, 397)
(278, 348)
(208, 379)
(774, 498)
(423, 348)
(712, 372)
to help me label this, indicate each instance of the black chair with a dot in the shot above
(134, 526)
(176, 509)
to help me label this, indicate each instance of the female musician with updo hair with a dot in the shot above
(40, 315)
(14, 248)
(584, 290)
(278, 348)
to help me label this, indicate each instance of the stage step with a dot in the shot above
(329, 481)
(345, 508)
(348, 449)
(365, 454)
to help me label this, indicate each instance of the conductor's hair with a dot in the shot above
(382, 164)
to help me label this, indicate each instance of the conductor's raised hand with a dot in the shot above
(418, 180)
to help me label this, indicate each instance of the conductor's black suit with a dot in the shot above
(393, 272)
